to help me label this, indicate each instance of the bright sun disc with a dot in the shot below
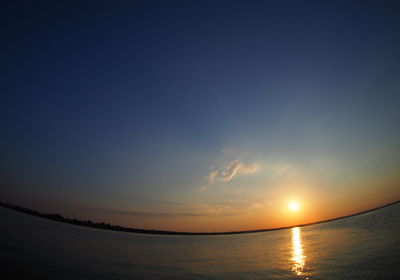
(294, 206)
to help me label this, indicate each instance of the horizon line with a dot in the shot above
(106, 226)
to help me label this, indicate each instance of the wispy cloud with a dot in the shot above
(203, 210)
(207, 210)
(230, 169)
(212, 176)
(154, 214)
(235, 167)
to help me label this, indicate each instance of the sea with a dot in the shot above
(366, 246)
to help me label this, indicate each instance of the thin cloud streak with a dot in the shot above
(205, 210)
(232, 169)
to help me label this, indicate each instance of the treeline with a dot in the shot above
(89, 223)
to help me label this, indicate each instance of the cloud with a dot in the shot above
(230, 169)
(202, 210)
(213, 210)
(156, 202)
(220, 210)
(211, 177)
(249, 168)
(256, 205)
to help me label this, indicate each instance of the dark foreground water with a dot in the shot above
(360, 247)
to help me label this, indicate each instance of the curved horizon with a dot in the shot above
(101, 225)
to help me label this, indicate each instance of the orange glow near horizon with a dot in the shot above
(274, 213)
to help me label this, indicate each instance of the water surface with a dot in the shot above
(360, 247)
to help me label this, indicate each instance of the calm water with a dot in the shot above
(361, 247)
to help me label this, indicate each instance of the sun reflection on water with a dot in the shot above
(298, 257)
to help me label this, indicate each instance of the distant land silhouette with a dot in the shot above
(107, 226)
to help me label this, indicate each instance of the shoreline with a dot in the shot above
(106, 226)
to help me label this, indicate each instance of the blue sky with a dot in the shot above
(170, 110)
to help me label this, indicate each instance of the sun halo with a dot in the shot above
(294, 206)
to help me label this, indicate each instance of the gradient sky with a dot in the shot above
(200, 115)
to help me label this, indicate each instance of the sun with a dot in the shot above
(294, 206)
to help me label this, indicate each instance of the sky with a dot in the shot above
(200, 115)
